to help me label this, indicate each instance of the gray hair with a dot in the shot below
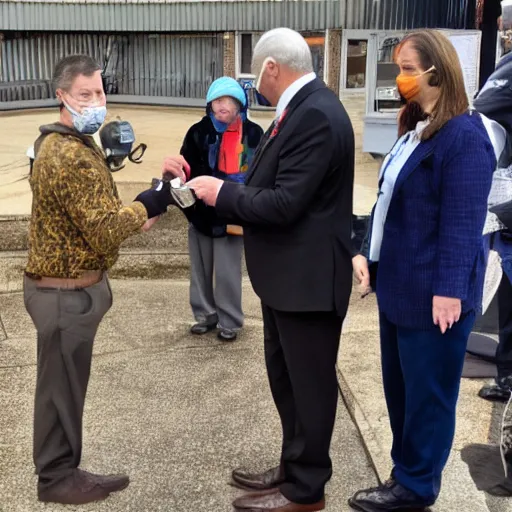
(286, 47)
(68, 68)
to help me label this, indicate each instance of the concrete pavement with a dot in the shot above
(176, 412)
(158, 397)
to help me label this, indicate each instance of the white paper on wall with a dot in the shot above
(468, 50)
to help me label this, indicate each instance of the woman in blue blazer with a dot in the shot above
(425, 242)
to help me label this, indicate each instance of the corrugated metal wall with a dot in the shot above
(34, 56)
(409, 14)
(138, 64)
(164, 64)
(200, 16)
(226, 15)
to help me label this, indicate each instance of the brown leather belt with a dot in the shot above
(231, 229)
(89, 278)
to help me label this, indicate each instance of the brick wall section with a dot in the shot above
(229, 54)
(334, 49)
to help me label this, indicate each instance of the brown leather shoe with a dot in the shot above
(112, 483)
(273, 502)
(82, 487)
(270, 479)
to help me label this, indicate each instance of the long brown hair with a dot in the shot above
(435, 49)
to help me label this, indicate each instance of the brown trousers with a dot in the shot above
(66, 322)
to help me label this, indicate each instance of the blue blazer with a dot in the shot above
(432, 242)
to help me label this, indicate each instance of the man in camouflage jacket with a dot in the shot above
(77, 226)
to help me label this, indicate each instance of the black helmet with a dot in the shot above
(117, 138)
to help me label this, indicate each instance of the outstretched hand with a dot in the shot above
(176, 167)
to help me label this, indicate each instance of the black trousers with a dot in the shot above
(66, 322)
(300, 353)
(504, 350)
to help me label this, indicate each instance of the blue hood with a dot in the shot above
(226, 86)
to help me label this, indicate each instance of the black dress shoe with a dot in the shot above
(226, 335)
(270, 479)
(388, 497)
(494, 393)
(203, 327)
(500, 391)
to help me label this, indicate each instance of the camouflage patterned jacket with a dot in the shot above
(78, 221)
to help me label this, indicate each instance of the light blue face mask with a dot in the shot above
(90, 120)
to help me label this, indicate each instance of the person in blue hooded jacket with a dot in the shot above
(222, 144)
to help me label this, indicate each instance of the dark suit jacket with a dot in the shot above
(432, 243)
(296, 207)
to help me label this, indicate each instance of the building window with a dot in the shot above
(316, 43)
(245, 53)
(356, 63)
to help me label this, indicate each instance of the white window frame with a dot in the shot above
(327, 68)
(238, 56)
(346, 35)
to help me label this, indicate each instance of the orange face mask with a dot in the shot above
(408, 85)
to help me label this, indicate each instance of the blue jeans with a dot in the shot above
(421, 371)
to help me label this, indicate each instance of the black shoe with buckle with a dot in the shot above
(390, 496)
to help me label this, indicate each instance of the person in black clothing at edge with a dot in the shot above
(495, 101)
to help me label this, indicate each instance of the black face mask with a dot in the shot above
(116, 163)
(117, 138)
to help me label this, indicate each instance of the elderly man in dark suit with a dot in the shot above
(296, 210)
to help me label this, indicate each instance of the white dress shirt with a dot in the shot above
(291, 91)
(389, 172)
